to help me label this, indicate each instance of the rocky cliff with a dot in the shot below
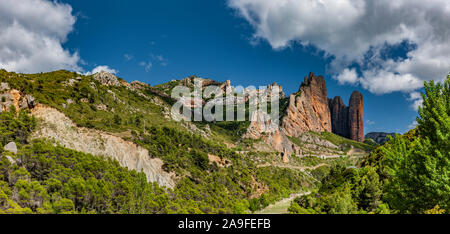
(308, 108)
(355, 117)
(348, 121)
(339, 117)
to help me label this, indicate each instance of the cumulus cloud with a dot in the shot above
(358, 32)
(101, 68)
(32, 34)
(348, 76)
(417, 100)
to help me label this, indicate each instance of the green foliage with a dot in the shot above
(408, 174)
(347, 143)
(49, 179)
(241, 207)
(56, 180)
(282, 183)
(235, 129)
(343, 191)
(419, 170)
(370, 141)
(15, 127)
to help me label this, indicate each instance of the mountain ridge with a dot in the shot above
(243, 174)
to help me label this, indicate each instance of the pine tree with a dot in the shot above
(420, 170)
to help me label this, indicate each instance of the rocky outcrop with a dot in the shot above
(379, 137)
(308, 109)
(15, 98)
(4, 86)
(339, 117)
(107, 79)
(138, 85)
(355, 117)
(260, 124)
(54, 125)
(348, 121)
(263, 127)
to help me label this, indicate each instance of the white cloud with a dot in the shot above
(381, 82)
(102, 68)
(32, 34)
(348, 76)
(417, 100)
(147, 65)
(350, 30)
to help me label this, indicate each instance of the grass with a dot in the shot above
(342, 141)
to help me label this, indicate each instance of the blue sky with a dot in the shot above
(157, 41)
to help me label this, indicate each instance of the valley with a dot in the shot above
(255, 166)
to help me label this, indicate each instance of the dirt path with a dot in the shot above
(281, 207)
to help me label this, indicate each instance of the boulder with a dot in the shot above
(31, 101)
(11, 147)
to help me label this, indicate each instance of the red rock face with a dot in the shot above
(348, 121)
(355, 117)
(311, 110)
(308, 109)
(339, 117)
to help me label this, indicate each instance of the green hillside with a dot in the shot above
(202, 187)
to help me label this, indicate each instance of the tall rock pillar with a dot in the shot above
(355, 117)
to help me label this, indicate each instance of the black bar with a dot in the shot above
(224, 223)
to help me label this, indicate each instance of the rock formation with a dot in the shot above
(308, 109)
(339, 117)
(138, 85)
(355, 117)
(107, 79)
(13, 97)
(348, 121)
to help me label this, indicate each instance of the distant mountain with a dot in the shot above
(379, 137)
